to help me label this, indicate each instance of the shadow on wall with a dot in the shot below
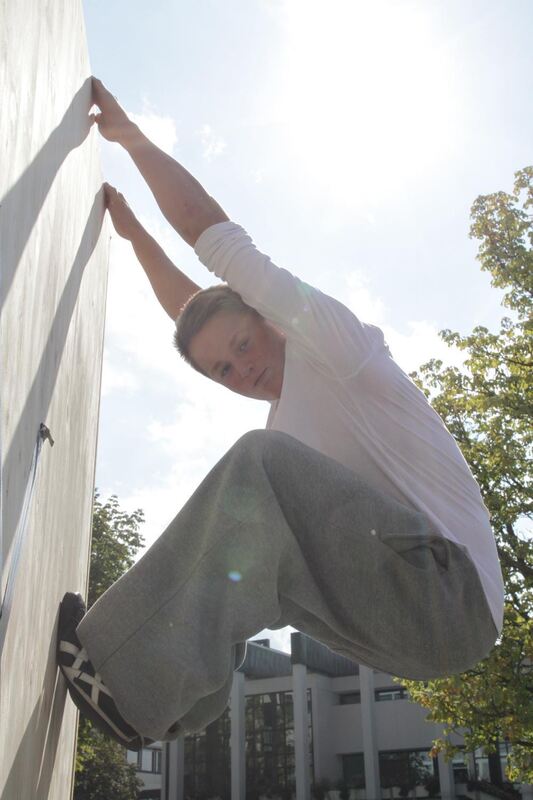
(40, 394)
(23, 202)
(41, 737)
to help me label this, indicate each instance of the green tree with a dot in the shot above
(114, 544)
(103, 771)
(488, 407)
(101, 768)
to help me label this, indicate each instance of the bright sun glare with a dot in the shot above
(368, 93)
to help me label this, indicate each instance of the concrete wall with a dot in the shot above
(324, 699)
(402, 721)
(52, 292)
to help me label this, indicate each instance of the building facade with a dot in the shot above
(308, 719)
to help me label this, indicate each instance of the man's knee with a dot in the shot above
(261, 440)
(277, 453)
(251, 441)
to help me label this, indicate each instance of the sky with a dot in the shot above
(350, 139)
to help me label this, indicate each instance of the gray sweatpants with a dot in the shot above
(278, 534)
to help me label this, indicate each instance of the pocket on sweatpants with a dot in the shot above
(422, 551)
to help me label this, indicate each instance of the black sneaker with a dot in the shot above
(85, 685)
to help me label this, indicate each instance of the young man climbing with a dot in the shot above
(353, 516)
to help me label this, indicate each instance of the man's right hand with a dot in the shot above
(184, 202)
(113, 122)
(123, 218)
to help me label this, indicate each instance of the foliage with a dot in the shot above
(343, 789)
(115, 541)
(320, 789)
(101, 768)
(102, 772)
(287, 792)
(502, 224)
(488, 407)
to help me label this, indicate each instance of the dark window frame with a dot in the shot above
(379, 694)
(360, 783)
(343, 701)
(408, 768)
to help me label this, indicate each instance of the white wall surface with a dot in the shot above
(53, 281)
(401, 725)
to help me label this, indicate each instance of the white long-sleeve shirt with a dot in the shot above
(345, 396)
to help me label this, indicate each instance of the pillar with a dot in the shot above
(447, 783)
(371, 755)
(238, 737)
(301, 731)
(173, 769)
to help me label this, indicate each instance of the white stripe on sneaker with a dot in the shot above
(95, 692)
(96, 682)
(68, 647)
(106, 719)
(73, 650)
(81, 659)
(75, 674)
(92, 699)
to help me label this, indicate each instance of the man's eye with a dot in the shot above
(243, 346)
(224, 371)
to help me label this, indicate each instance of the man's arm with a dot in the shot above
(171, 286)
(183, 201)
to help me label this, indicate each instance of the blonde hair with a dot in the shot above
(198, 309)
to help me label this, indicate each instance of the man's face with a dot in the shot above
(243, 352)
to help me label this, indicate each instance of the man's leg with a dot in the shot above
(279, 534)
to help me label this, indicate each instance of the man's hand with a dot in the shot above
(184, 202)
(124, 220)
(113, 122)
(171, 286)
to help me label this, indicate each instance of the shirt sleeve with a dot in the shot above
(323, 328)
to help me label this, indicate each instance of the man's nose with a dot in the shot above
(245, 370)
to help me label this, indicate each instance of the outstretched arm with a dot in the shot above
(171, 286)
(183, 201)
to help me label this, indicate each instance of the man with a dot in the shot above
(353, 517)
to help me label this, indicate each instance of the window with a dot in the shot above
(156, 761)
(408, 772)
(395, 693)
(504, 748)
(270, 760)
(207, 759)
(481, 760)
(146, 760)
(353, 770)
(349, 698)
(460, 768)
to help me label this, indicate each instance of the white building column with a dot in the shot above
(301, 731)
(371, 757)
(165, 746)
(238, 738)
(173, 769)
(447, 782)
